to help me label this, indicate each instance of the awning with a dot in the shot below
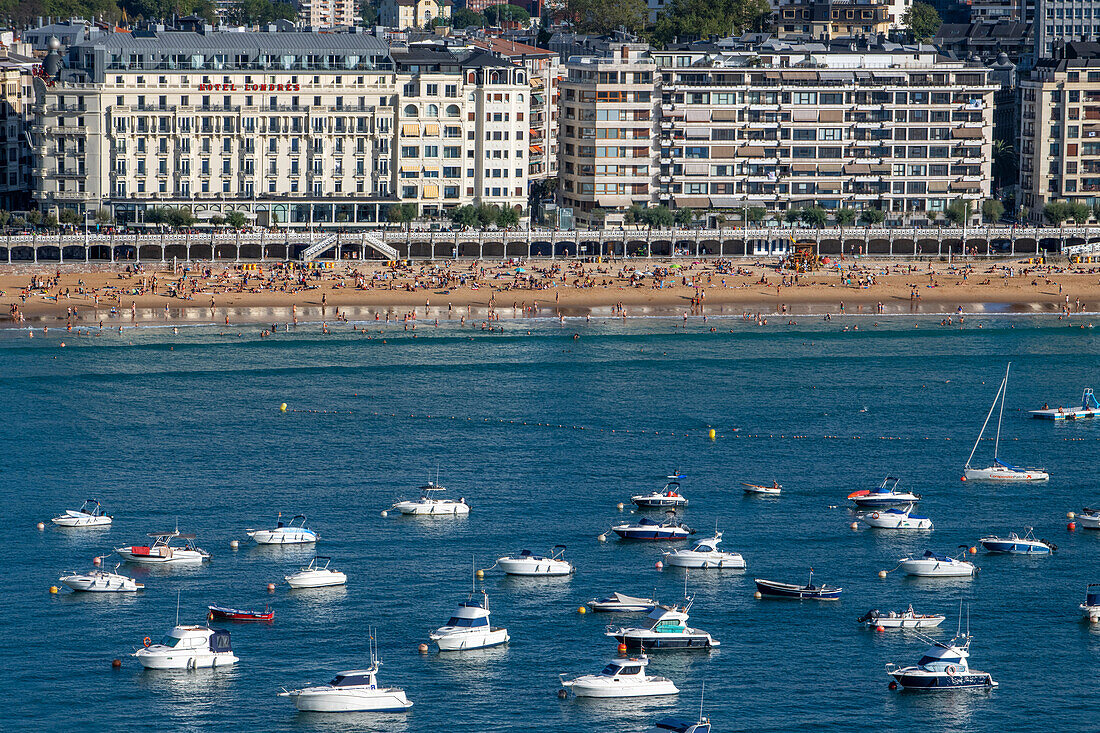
(537, 98)
(836, 75)
(828, 186)
(937, 186)
(723, 115)
(803, 167)
(887, 74)
(966, 186)
(536, 149)
(726, 202)
(830, 115)
(881, 169)
(410, 168)
(431, 191)
(697, 133)
(697, 115)
(431, 129)
(750, 151)
(410, 130)
(830, 168)
(722, 151)
(966, 133)
(857, 168)
(692, 202)
(804, 115)
(696, 169)
(800, 75)
(863, 74)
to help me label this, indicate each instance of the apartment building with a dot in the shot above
(785, 126)
(828, 19)
(1063, 21)
(1060, 130)
(292, 128)
(15, 153)
(404, 15)
(328, 13)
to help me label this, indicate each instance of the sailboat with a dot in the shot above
(999, 470)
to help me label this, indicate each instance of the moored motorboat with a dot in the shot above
(668, 496)
(101, 581)
(1091, 607)
(317, 574)
(705, 554)
(469, 628)
(430, 506)
(934, 565)
(353, 691)
(676, 725)
(526, 563)
(163, 552)
(293, 533)
(664, 628)
(775, 589)
(1016, 545)
(90, 514)
(189, 647)
(885, 495)
(622, 677)
(621, 603)
(1088, 518)
(896, 518)
(774, 490)
(646, 529)
(224, 613)
(999, 470)
(907, 619)
(944, 666)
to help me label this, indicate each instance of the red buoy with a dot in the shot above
(893, 685)
(622, 648)
(1072, 526)
(116, 663)
(880, 629)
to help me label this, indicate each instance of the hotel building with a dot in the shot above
(780, 126)
(291, 128)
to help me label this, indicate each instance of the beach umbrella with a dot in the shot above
(520, 269)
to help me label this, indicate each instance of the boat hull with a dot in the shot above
(899, 622)
(553, 568)
(616, 607)
(227, 614)
(440, 509)
(83, 521)
(281, 537)
(176, 557)
(647, 502)
(652, 688)
(768, 589)
(86, 584)
(930, 682)
(365, 701)
(937, 569)
(313, 580)
(1015, 547)
(652, 535)
(465, 641)
(885, 500)
(165, 658)
(885, 520)
(666, 642)
(995, 473)
(705, 561)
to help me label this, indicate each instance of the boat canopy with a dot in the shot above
(219, 641)
(1007, 465)
(1092, 595)
(647, 522)
(352, 679)
(936, 556)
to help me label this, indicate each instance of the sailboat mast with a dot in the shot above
(984, 425)
(1001, 414)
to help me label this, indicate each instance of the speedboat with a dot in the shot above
(895, 518)
(675, 725)
(647, 529)
(317, 574)
(622, 677)
(1016, 545)
(101, 581)
(944, 666)
(774, 589)
(1091, 607)
(885, 495)
(527, 564)
(999, 470)
(468, 628)
(224, 613)
(772, 490)
(934, 565)
(705, 554)
(90, 514)
(668, 496)
(294, 533)
(664, 628)
(907, 619)
(1089, 518)
(163, 552)
(188, 647)
(354, 691)
(428, 505)
(619, 602)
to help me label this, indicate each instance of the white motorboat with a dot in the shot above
(934, 565)
(428, 505)
(675, 725)
(188, 647)
(90, 514)
(885, 495)
(670, 530)
(999, 470)
(705, 554)
(944, 666)
(1091, 607)
(469, 628)
(622, 677)
(669, 496)
(317, 574)
(664, 628)
(527, 564)
(1089, 518)
(1017, 545)
(354, 691)
(895, 518)
(774, 490)
(163, 552)
(907, 619)
(621, 603)
(293, 533)
(101, 581)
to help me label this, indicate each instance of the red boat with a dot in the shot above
(222, 613)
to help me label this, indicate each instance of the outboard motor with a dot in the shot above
(873, 613)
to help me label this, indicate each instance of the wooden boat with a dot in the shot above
(222, 613)
(775, 488)
(773, 589)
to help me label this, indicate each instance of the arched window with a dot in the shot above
(453, 110)
(519, 78)
(521, 97)
(494, 77)
(471, 78)
(433, 110)
(410, 110)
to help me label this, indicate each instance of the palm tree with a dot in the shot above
(1006, 164)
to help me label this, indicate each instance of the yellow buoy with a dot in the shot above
(712, 434)
(53, 589)
(882, 573)
(582, 610)
(282, 407)
(481, 573)
(854, 525)
(41, 526)
(619, 506)
(270, 587)
(1070, 515)
(423, 648)
(757, 595)
(234, 544)
(601, 538)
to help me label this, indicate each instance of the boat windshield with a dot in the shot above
(631, 669)
(350, 680)
(170, 641)
(610, 670)
(467, 622)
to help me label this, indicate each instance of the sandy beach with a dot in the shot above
(229, 291)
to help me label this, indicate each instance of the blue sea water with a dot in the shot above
(183, 429)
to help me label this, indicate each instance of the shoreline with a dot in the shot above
(363, 291)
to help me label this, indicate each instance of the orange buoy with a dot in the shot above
(880, 629)
(660, 565)
(973, 550)
(962, 478)
(116, 663)
(423, 648)
(270, 587)
(622, 647)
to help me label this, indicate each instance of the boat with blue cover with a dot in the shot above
(887, 494)
(1091, 607)
(896, 518)
(773, 589)
(668, 496)
(1016, 545)
(647, 529)
(664, 628)
(944, 666)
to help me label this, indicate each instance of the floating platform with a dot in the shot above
(1089, 408)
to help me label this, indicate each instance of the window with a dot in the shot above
(696, 152)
